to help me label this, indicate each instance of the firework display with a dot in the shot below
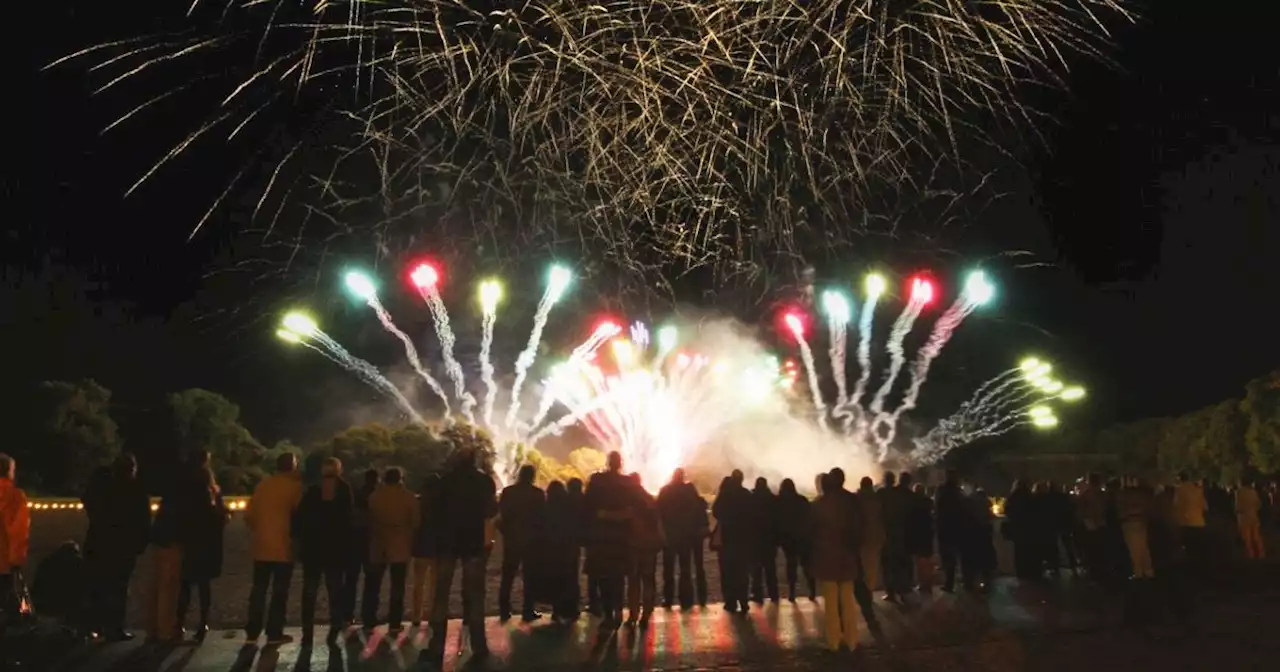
(643, 127)
(710, 392)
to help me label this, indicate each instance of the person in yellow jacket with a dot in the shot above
(270, 521)
(394, 517)
(1248, 506)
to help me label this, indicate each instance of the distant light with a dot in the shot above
(425, 276)
(360, 285)
(1045, 422)
(490, 295)
(558, 279)
(1029, 364)
(978, 290)
(1073, 393)
(836, 307)
(1040, 411)
(288, 336)
(875, 285)
(300, 324)
(922, 290)
(1052, 386)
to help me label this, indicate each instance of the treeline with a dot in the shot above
(67, 429)
(1230, 440)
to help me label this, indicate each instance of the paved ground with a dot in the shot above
(1065, 626)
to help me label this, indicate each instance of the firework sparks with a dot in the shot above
(633, 121)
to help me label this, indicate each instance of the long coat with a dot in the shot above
(394, 518)
(270, 517)
(202, 554)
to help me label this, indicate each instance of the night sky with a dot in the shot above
(1151, 211)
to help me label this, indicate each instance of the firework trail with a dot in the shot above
(363, 369)
(580, 354)
(410, 352)
(810, 368)
(839, 342)
(712, 108)
(865, 323)
(897, 358)
(427, 279)
(998, 406)
(942, 331)
(557, 283)
(488, 320)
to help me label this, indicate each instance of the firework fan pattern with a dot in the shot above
(686, 133)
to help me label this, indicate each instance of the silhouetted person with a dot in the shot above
(1136, 503)
(919, 534)
(519, 518)
(119, 513)
(468, 505)
(324, 530)
(735, 517)
(837, 520)
(980, 552)
(270, 520)
(202, 555)
(684, 520)
(895, 561)
(58, 590)
(393, 522)
(358, 549)
(1091, 512)
(1248, 507)
(425, 550)
(577, 505)
(609, 508)
(171, 535)
(953, 528)
(1020, 527)
(1062, 516)
(1189, 507)
(647, 539)
(871, 551)
(560, 552)
(1162, 532)
(764, 572)
(795, 536)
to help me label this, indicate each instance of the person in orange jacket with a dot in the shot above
(15, 533)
